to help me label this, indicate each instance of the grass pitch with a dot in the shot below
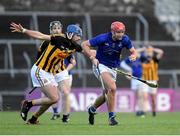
(164, 123)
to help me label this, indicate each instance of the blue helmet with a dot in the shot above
(74, 29)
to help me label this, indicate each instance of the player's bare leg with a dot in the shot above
(92, 109)
(52, 96)
(153, 99)
(111, 92)
(146, 101)
(51, 93)
(55, 111)
(65, 88)
(55, 106)
(110, 99)
(140, 100)
(42, 109)
(140, 103)
(137, 95)
(99, 101)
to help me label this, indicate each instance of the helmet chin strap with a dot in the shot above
(69, 35)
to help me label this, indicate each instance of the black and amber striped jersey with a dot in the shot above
(42, 48)
(64, 64)
(56, 51)
(150, 69)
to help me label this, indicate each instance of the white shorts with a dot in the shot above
(136, 85)
(41, 78)
(103, 68)
(63, 75)
(148, 89)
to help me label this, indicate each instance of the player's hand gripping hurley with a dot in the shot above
(151, 84)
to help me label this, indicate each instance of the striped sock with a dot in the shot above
(55, 110)
(92, 109)
(111, 114)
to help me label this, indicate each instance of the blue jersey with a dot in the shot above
(67, 61)
(136, 67)
(109, 51)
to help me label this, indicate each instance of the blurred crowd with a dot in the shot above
(126, 6)
(167, 12)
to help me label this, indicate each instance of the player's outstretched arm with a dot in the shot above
(31, 33)
(87, 51)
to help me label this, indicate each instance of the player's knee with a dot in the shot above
(54, 99)
(146, 98)
(66, 92)
(113, 89)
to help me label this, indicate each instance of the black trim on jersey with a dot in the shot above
(63, 42)
(49, 55)
(42, 48)
(41, 57)
(62, 63)
(56, 64)
(51, 64)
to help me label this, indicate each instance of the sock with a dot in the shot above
(92, 109)
(154, 113)
(55, 110)
(111, 114)
(33, 118)
(65, 116)
(29, 104)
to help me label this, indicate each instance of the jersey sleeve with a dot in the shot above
(77, 47)
(55, 39)
(44, 45)
(127, 61)
(96, 41)
(42, 48)
(127, 42)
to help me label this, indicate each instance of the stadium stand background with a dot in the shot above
(18, 52)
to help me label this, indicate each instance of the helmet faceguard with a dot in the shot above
(54, 23)
(73, 30)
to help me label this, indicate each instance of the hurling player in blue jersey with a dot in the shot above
(109, 46)
(135, 68)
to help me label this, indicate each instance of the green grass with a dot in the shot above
(164, 123)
